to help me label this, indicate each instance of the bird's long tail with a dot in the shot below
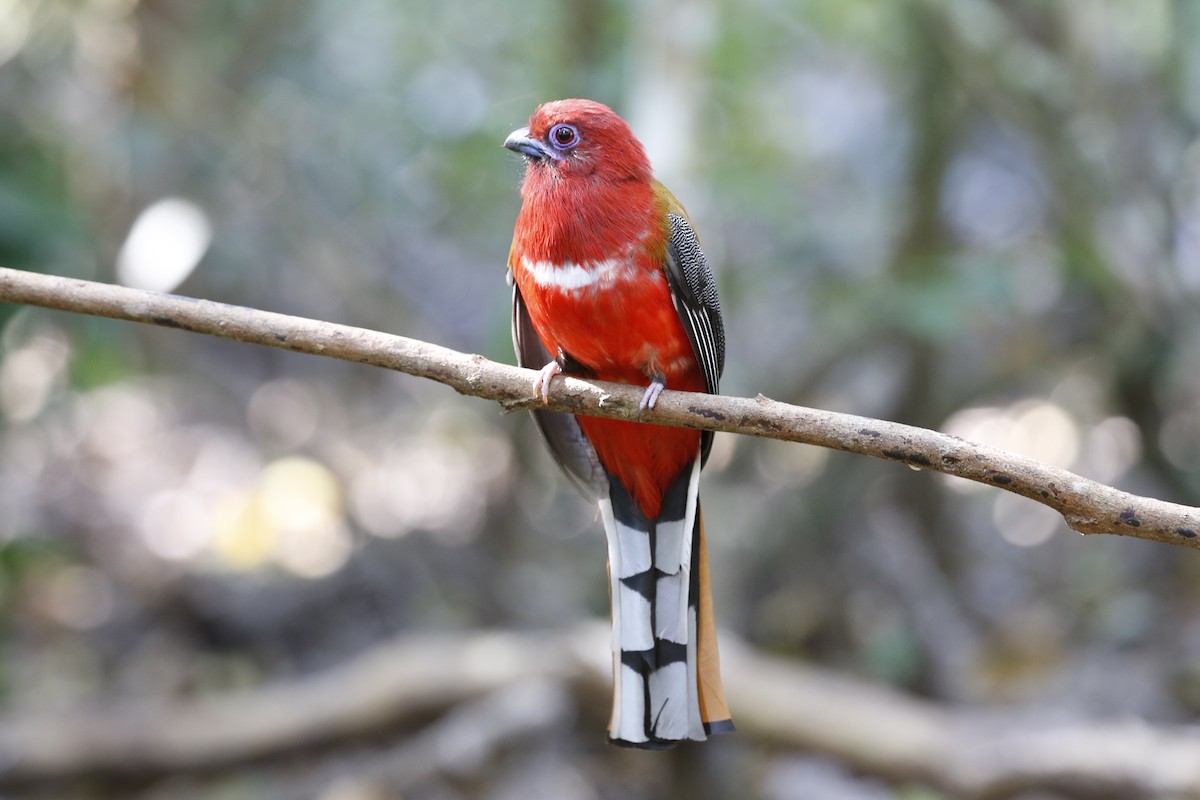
(666, 672)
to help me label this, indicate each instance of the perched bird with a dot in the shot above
(609, 282)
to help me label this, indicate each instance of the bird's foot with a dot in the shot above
(541, 384)
(652, 392)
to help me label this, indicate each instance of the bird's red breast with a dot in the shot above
(588, 254)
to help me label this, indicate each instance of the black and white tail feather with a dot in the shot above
(654, 615)
(666, 684)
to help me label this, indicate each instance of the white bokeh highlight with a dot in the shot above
(164, 245)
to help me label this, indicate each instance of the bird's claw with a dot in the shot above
(541, 384)
(652, 392)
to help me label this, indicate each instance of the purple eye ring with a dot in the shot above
(563, 136)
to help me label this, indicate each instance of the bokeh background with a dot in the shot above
(980, 217)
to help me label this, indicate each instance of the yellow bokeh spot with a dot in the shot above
(292, 516)
(298, 492)
(245, 536)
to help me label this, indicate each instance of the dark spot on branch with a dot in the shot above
(1003, 480)
(949, 461)
(1129, 518)
(920, 459)
(869, 432)
(166, 322)
(1186, 533)
(1053, 489)
(281, 337)
(707, 413)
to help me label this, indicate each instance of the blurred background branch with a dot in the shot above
(506, 685)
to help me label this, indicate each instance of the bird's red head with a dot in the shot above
(579, 138)
(588, 193)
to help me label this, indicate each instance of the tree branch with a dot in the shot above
(968, 753)
(1086, 505)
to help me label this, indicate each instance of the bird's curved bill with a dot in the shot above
(519, 141)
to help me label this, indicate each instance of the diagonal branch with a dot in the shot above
(1086, 505)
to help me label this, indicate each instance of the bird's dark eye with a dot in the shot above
(564, 136)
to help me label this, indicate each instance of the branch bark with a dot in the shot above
(967, 753)
(1087, 506)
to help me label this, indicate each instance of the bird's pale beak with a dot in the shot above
(519, 141)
